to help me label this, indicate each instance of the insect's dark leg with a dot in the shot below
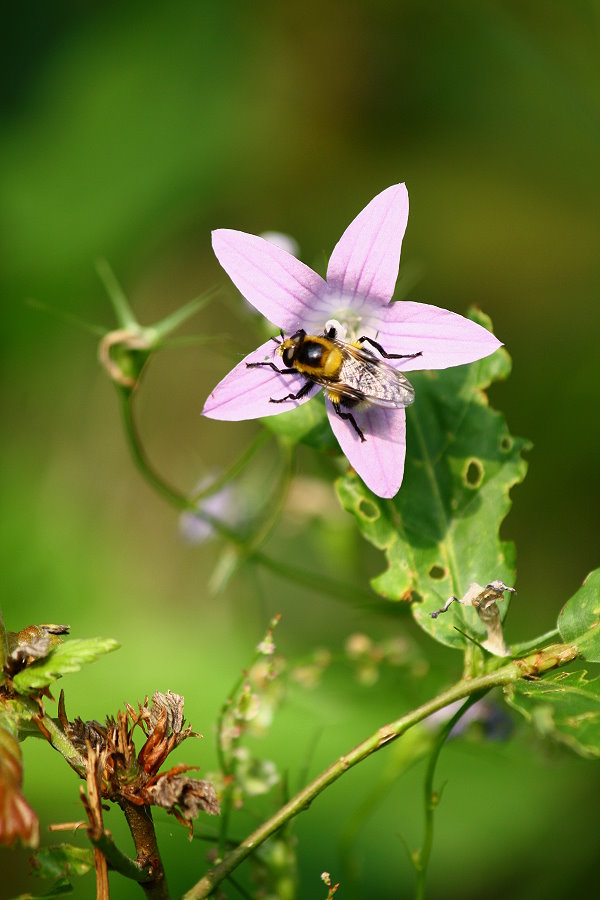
(301, 393)
(271, 365)
(377, 346)
(350, 418)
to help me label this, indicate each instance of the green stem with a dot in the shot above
(174, 320)
(233, 471)
(58, 739)
(414, 747)
(275, 508)
(528, 646)
(171, 494)
(240, 889)
(120, 862)
(320, 584)
(432, 797)
(120, 304)
(549, 658)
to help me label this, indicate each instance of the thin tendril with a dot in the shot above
(248, 546)
(233, 471)
(171, 494)
(421, 859)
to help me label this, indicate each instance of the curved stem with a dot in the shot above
(414, 747)
(432, 797)
(171, 494)
(276, 508)
(549, 658)
(233, 471)
(119, 861)
(319, 583)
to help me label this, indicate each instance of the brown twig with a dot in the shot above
(93, 808)
(139, 819)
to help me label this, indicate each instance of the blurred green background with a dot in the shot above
(129, 130)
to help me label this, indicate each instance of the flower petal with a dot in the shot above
(279, 286)
(444, 338)
(246, 393)
(365, 260)
(379, 460)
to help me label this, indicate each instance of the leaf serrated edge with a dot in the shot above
(25, 681)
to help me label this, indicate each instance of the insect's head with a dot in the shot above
(289, 347)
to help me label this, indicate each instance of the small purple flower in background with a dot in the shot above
(355, 301)
(221, 505)
(496, 722)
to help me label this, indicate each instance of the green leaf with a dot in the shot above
(62, 861)
(16, 714)
(564, 706)
(580, 617)
(60, 889)
(66, 658)
(307, 424)
(441, 531)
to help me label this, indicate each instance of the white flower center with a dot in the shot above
(352, 321)
(352, 315)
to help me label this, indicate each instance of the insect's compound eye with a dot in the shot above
(288, 356)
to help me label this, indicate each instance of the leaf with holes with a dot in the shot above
(66, 658)
(579, 619)
(440, 533)
(564, 706)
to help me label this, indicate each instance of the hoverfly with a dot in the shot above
(351, 375)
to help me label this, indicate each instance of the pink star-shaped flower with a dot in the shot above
(361, 276)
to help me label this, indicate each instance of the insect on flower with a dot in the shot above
(365, 402)
(353, 377)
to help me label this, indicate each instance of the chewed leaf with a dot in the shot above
(66, 658)
(579, 619)
(441, 531)
(564, 706)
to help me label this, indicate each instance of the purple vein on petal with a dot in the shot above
(278, 285)
(374, 240)
(380, 459)
(444, 338)
(368, 253)
(246, 393)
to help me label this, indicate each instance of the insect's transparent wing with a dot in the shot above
(364, 376)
